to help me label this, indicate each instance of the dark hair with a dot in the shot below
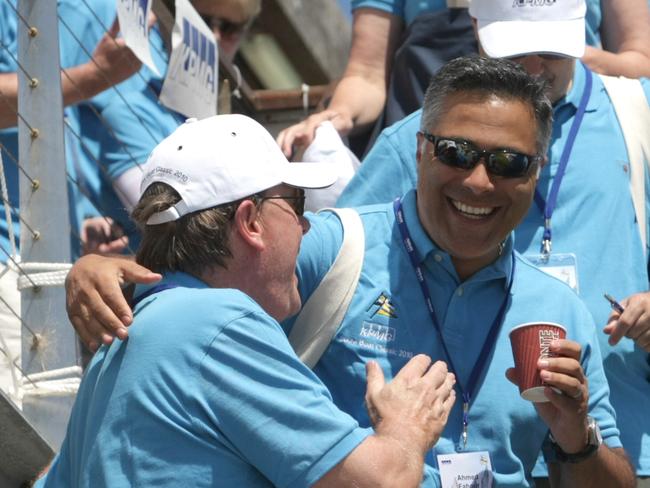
(489, 77)
(194, 242)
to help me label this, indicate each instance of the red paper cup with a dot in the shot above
(530, 343)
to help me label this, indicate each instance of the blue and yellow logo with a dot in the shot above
(386, 309)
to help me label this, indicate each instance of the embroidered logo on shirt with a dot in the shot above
(378, 332)
(386, 309)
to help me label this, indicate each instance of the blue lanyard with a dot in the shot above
(151, 291)
(494, 328)
(548, 207)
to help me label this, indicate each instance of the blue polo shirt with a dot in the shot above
(408, 10)
(388, 321)
(594, 219)
(205, 392)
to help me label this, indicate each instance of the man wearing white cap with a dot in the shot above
(207, 391)
(592, 238)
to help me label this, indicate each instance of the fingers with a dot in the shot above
(414, 369)
(437, 375)
(115, 28)
(633, 323)
(94, 327)
(295, 135)
(564, 374)
(114, 247)
(132, 272)
(94, 300)
(303, 133)
(375, 384)
(375, 378)
(511, 376)
(566, 348)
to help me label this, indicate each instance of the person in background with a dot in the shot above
(618, 37)
(219, 398)
(585, 184)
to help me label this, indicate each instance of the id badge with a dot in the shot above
(563, 266)
(466, 470)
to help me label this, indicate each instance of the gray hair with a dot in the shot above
(489, 77)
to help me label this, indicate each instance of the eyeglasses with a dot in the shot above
(297, 202)
(461, 154)
(225, 27)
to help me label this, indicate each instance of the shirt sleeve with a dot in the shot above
(395, 7)
(388, 171)
(599, 405)
(266, 401)
(136, 128)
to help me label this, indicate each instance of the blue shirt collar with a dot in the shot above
(577, 87)
(426, 248)
(172, 279)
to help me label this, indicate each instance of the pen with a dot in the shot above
(615, 305)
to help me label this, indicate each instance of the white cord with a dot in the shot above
(42, 274)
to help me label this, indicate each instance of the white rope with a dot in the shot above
(5, 198)
(42, 274)
(56, 374)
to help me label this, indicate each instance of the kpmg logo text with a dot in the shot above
(377, 332)
(533, 3)
(138, 9)
(196, 67)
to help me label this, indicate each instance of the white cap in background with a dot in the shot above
(508, 28)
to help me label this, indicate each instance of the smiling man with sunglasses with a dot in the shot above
(582, 226)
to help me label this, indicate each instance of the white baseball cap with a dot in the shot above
(518, 27)
(223, 159)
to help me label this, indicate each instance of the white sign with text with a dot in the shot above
(133, 15)
(191, 83)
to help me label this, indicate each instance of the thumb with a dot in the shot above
(115, 28)
(511, 375)
(131, 272)
(375, 379)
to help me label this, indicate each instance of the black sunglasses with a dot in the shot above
(225, 27)
(297, 202)
(458, 153)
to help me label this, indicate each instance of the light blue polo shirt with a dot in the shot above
(205, 392)
(594, 219)
(388, 321)
(408, 10)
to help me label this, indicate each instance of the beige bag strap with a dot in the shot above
(633, 113)
(323, 313)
